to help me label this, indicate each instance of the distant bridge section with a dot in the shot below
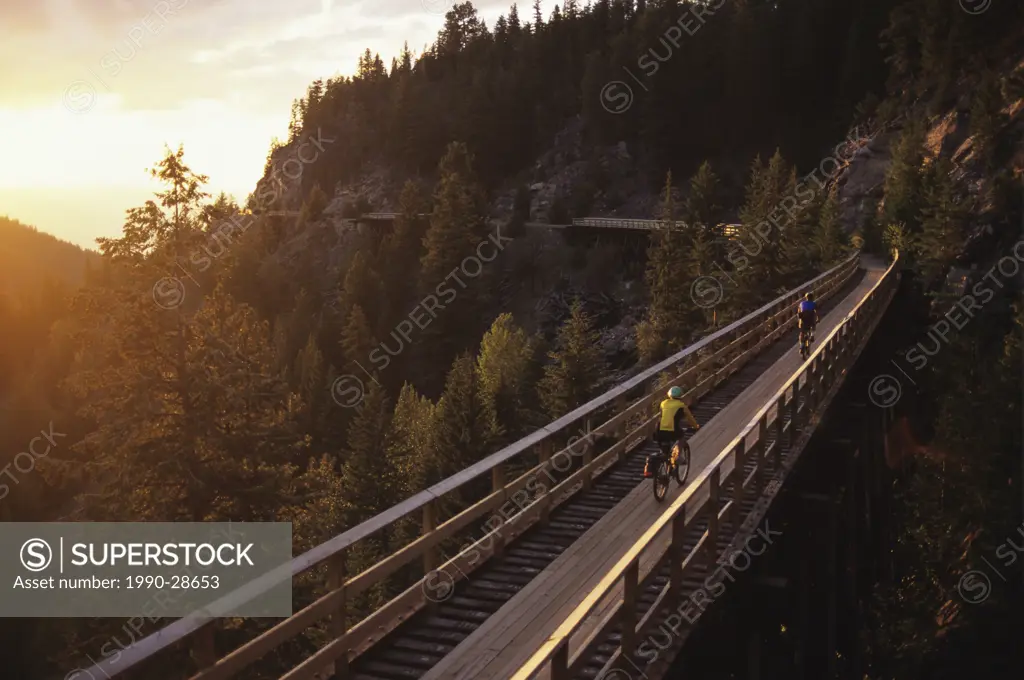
(729, 230)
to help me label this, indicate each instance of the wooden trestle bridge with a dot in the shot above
(567, 562)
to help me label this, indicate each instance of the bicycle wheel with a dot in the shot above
(660, 480)
(682, 462)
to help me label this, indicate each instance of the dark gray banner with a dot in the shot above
(153, 569)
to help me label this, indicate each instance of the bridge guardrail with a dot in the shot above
(699, 368)
(815, 378)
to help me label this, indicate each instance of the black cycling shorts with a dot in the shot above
(667, 436)
(807, 321)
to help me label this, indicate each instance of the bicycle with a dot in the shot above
(671, 460)
(804, 341)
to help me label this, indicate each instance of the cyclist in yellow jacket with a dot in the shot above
(670, 428)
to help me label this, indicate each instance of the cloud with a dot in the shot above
(161, 53)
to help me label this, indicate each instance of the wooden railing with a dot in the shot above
(625, 413)
(704, 499)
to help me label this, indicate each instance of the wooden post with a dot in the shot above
(630, 586)
(498, 484)
(737, 490)
(588, 456)
(794, 414)
(430, 557)
(544, 457)
(204, 646)
(336, 570)
(560, 661)
(620, 406)
(780, 430)
(761, 458)
(714, 507)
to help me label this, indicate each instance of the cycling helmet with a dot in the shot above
(675, 393)
(809, 296)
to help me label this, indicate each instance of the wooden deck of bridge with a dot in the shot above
(509, 637)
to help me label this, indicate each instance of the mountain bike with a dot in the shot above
(805, 340)
(805, 344)
(672, 460)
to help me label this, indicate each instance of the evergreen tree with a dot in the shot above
(800, 245)
(464, 428)
(902, 189)
(986, 117)
(410, 438)
(829, 239)
(362, 287)
(520, 212)
(702, 209)
(942, 220)
(707, 242)
(577, 365)
(668, 322)
(399, 256)
(314, 205)
(409, 445)
(504, 365)
(357, 339)
(760, 259)
(457, 227)
(311, 374)
(368, 479)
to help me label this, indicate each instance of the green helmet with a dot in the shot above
(675, 392)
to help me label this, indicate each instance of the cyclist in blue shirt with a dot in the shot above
(807, 316)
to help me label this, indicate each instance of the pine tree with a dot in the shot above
(457, 227)
(368, 479)
(902, 189)
(669, 317)
(520, 212)
(986, 117)
(410, 438)
(361, 286)
(702, 209)
(368, 485)
(829, 239)
(357, 340)
(464, 428)
(759, 256)
(707, 242)
(314, 205)
(801, 255)
(504, 363)
(942, 220)
(399, 257)
(193, 422)
(577, 365)
(311, 374)
(409, 444)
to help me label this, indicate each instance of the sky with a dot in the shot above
(92, 90)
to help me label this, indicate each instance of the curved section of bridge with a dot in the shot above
(567, 562)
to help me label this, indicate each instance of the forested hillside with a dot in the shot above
(221, 363)
(29, 257)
